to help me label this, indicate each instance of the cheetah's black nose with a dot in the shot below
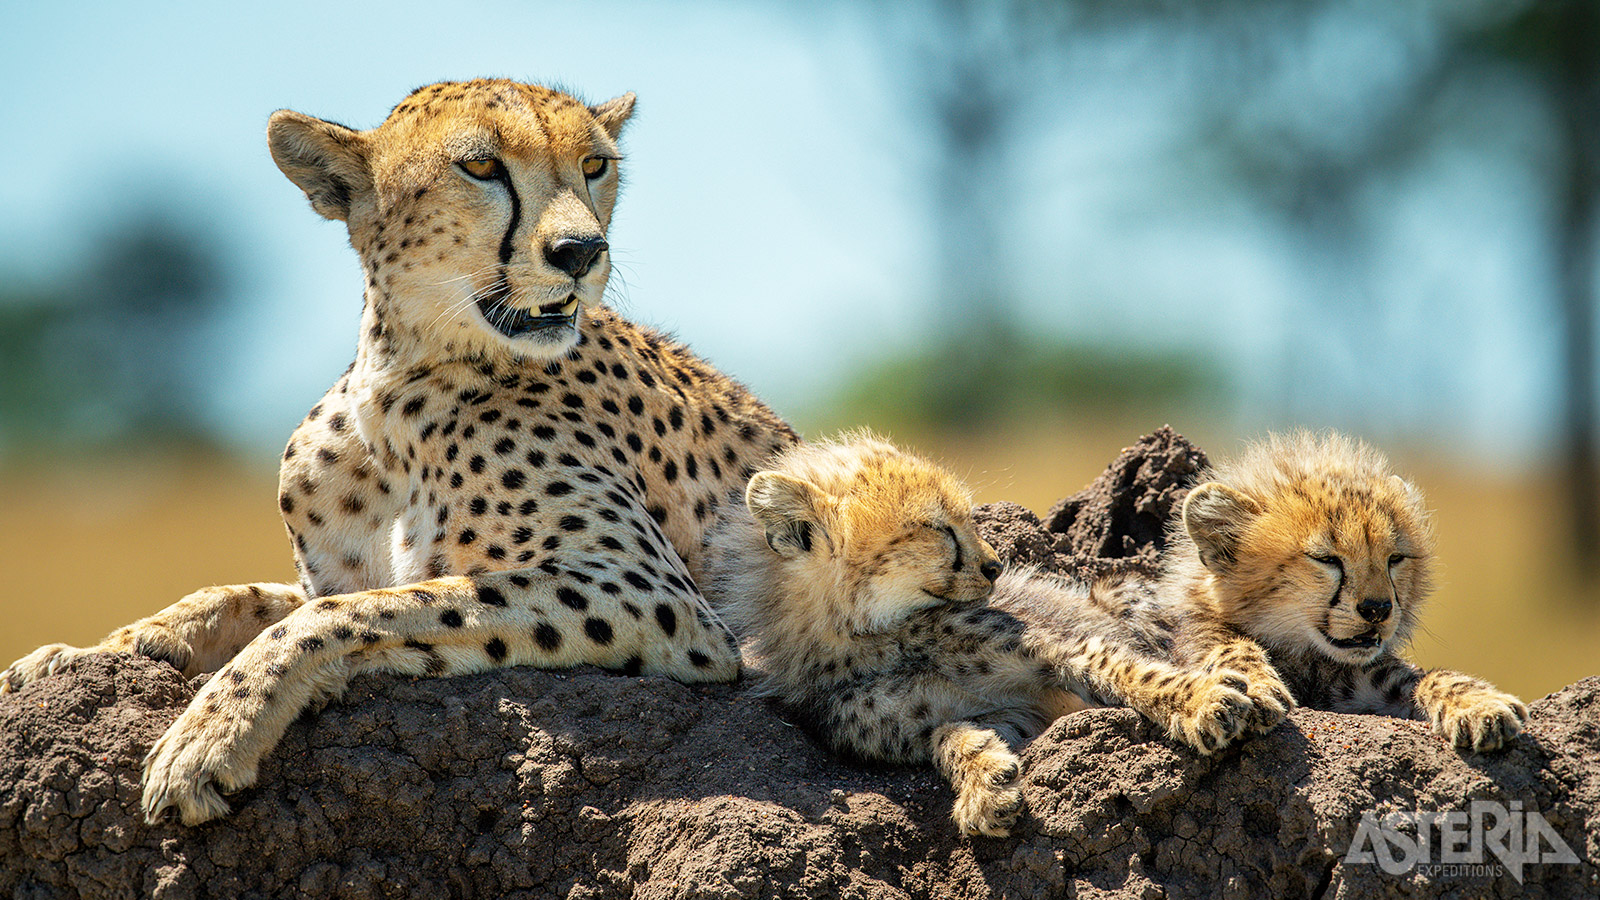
(990, 569)
(574, 256)
(1374, 609)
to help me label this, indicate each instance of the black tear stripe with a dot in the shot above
(516, 217)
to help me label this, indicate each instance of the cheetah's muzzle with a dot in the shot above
(516, 323)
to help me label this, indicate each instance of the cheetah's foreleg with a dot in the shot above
(196, 634)
(448, 626)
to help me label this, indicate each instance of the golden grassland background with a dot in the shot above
(89, 546)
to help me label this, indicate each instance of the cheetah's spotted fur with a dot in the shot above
(509, 473)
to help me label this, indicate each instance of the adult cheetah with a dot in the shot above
(509, 473)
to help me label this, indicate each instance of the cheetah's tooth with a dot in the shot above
(571, 307)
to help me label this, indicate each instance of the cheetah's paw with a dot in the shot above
(188, 769)
(1270, 701)
(1217, 712)
(1481, 720)
(988, 800)
(154, 641)
(47, 660)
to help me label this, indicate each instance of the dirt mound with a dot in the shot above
(580, 784)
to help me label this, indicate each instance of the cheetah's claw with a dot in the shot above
(47, 660)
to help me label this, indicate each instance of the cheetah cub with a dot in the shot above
(1313, 550)
(857, 578)
(1302, 565)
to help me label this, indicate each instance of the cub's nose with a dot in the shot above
(574, 256)
(1374, 609)
(990, 567)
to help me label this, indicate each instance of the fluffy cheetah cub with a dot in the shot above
(1304, 560)
(856, 575)
(1311, 548)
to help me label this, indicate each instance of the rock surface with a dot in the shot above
(581, 784)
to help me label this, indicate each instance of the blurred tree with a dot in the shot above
(1558, 41)
(153, 283)
(34, 391)
(1027, 379)
(967, 69)
(103, 354)
(984, 79)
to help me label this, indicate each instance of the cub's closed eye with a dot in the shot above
(1330, 561)
(595, 166)
(957, 563)
(482, 169)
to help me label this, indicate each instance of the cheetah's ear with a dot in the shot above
(1215, 516)
(614, 113)
(1411, 492)
(790, 510)
(325, 159)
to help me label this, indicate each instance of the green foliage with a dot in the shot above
(100, 354)
(1000, 377)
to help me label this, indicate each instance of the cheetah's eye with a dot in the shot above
(482, 169)
(956, 564)
(595, 166)
(1396, 559)
(1332, 562)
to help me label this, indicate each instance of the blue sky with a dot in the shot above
(774, 215)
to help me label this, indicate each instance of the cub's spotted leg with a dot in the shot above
(1469, 712)
(1206, 710)
(983, 772)
(1270, 699)
(196, 634)
(551, 617)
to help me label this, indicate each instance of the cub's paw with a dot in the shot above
(1270, 700)
(988, 798)
(46, 660)
(1215, 713)
(1481, 720)
(191, 765)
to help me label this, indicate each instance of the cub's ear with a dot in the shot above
(1216, 516)
(1411, 492)
(790, 510)
(614, 113)
(325, 159)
